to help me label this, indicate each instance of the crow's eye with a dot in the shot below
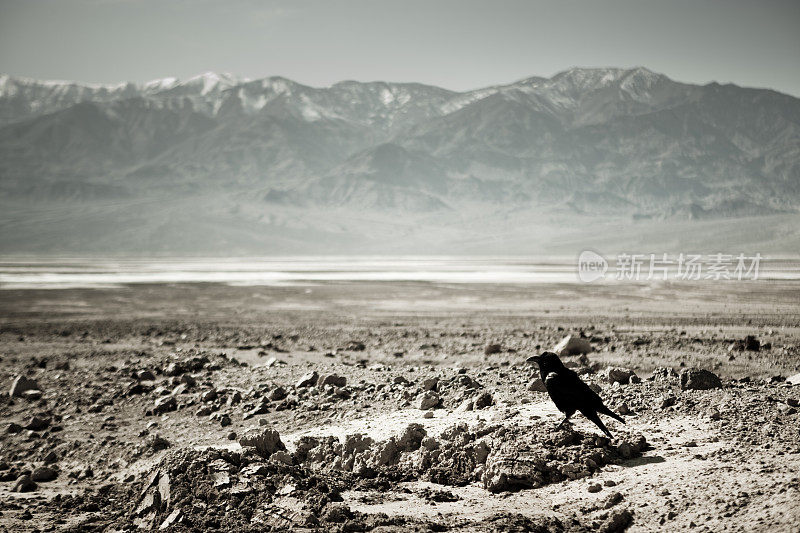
(551, 376)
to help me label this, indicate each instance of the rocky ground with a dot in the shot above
(396, 407)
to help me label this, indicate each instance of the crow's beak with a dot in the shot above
(533, 359)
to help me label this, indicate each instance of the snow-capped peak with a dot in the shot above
(5, 82)
(212, 81)
(160, 84)
(581, 78)
(11, 85)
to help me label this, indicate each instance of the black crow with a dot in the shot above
(569, 392)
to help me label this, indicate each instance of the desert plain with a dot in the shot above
(397, 406)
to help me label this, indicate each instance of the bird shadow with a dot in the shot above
(643, 460)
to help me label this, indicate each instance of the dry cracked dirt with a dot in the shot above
(397, 407)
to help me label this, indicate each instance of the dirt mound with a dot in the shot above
(233, 491)
(252, 490)
(530, 460)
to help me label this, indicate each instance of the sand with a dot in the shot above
(718, 460)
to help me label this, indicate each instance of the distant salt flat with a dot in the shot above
(85, 273)
(80, 273)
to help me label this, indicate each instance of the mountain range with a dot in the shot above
(219, 164)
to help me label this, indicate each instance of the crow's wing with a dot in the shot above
(570, 393)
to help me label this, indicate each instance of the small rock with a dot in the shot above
(430, 384)
(44, 473)
(465, 406)
(429, 400)
(411, 438)
(165, 404)
(208, 396)
(225, 421)
(254, 469)
(619, 375)
(466, 381)
(22, 384)
(173, 369)
(157, 443)
(483, 400)
(84, 473)
(260, 409)
(13, 427)
(232, 435)
(699, 379)
(429, 443)
(594, 487)
(221, 479)
(307, 380)
(32, 395)
(235, 398)
(668, 401)
(265, 440)
(611, 500)
(537, 385)
(36, 423)
(277, 394)
(428, 414)
(138, 387)
(492, 349)
(337, 512)
(617, 521)
(173, 518)
(572, 345)
(145, 375)
(625, 450)
(24, 484)
(332, 379)
(282, 457)
(752, 344)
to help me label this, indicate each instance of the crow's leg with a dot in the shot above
(564, 422)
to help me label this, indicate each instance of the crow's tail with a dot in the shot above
(606, 411)
(592, 415)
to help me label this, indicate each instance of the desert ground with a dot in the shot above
(397, 407)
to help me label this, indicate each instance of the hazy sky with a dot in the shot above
(458, 44)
